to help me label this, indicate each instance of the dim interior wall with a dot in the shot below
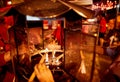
(79, 55)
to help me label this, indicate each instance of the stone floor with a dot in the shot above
(103, 61)
(81, 70)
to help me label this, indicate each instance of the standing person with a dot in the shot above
(102, 29)
(58, 34)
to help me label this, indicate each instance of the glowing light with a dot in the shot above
(102, 6)
(32, 18)
(9, 3)
(92, 20)
(95, 34)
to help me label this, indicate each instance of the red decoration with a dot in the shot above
(9, 21)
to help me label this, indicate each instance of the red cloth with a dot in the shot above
(103, 25)
(1, 43)
(9, 20)
(4, 38)
(2, 61)
(8, 77)
(7, 47)
(58, 34)
(4, 32)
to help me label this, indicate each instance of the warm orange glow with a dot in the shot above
(118, 19)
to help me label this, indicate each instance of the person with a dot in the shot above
(6, 70)
(113, 39)
(102, 30)
(58, 34)
(112, 74)
(113, 44)
(41, 70)
(43, 73)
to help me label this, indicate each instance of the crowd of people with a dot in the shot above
(109, 38)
